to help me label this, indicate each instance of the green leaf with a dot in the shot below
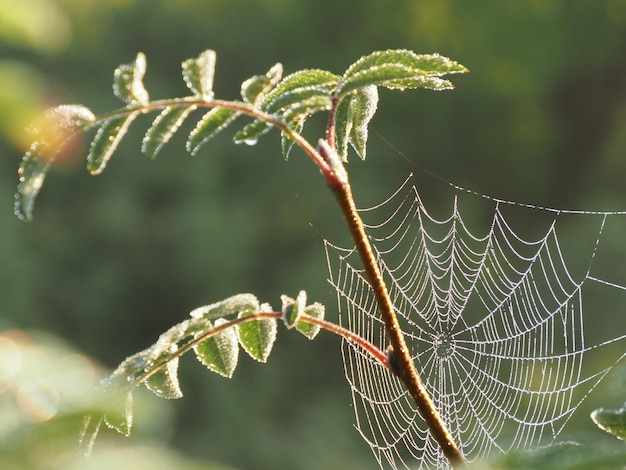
(257, 337)
(209, 125)
(343, 126)
(251, 132)
(53, 130)
(164, 382)
(611, 421)
(286, 142)
(255, 88)
(303, 79)
(296, 96)
(400, 69)
(106, 140)
(164, 127)
(32, 173)
(315, 310)
(128, 82)
(198, 74)
(293, 309)
(362, 109)
(225, 308)
(122, 418)
(220, 352)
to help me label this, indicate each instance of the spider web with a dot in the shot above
(493, 318)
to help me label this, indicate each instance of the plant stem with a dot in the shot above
(404, 367)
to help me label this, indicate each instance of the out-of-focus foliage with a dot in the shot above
(541, 118)
(46, 389)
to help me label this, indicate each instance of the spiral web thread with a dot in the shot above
(494, 321)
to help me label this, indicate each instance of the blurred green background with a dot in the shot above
(112, 261)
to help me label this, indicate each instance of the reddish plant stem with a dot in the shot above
(403, 367)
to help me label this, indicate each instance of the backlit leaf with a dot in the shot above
(319, 79)
(315, 310)
(292, 309)
(209, 125)
(297, 95)
(219, 352)
(343, 126)
(198, 74)
(32, 173)
(128, 82)
(224, 308)
(122, 418)
(286, 142)
(257, 337)
(106, 140)
(251, 132)
(611, 421)
(362, 108)
(164, 127)
(164, 383)
(255, 88)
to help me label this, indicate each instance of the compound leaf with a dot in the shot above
(611, 421)
(198, 74)
(106, 140)
(164, 127)
(257, 337)
(297, 96)
(128, 82)
(219, 352)
(209, 125)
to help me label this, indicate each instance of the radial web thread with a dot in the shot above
(494, 321)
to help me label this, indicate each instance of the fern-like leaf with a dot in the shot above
(128, 82)
(164, 127)
(106, 141)
(211, 124)
(198, 74)
(254, 89)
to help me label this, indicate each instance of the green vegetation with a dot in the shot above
(109, 266)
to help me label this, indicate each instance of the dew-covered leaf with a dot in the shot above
(198, 74)
(32, 173)
(611, 421)
(209, 125)
(164, 382)
(308, 107)
(286, 142)
(227, 307)
(219, 353)
(66, 117)
(164, 127)
(362, 108)
(89, 432)
(296, 96)
(251, 132)
(292, 309)
(128, 82)
(119, 415)
(303, 79)
(400, 69)
(257, 337)
(255, 88)
(426, 64)
(128, 373)
(343, 126)
(310, 330)
(106, 140)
